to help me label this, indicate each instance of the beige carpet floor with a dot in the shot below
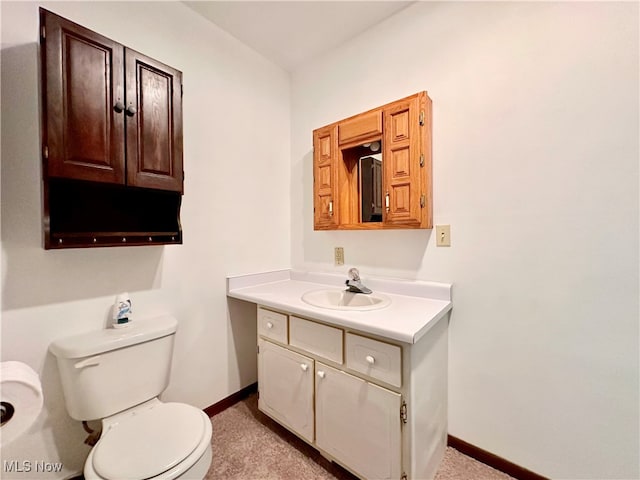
(247, 445)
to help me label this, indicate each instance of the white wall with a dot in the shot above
(535, 151)
(235, 214)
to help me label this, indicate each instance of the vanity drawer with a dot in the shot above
(321, 340)
(272, 325)
(375, 359)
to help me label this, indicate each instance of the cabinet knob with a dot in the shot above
(131, 110)
(304, 367)
(269, 325)
(370, 359)
(119, 107)
(321, 374)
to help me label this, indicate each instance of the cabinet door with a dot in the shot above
(153, 123)
(325, 212)
(403, 173)
(285, 382)
(83, 89)
(358, 423)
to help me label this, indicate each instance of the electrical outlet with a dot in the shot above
(339, 255)
(443, 235)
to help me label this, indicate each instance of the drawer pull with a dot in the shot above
(321, 374)
(304, 367)
(370, 359)
(269, 325)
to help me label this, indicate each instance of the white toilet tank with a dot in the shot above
(108, 371)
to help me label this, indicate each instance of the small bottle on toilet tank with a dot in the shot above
(122, 311)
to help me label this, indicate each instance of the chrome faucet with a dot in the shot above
(354, 284)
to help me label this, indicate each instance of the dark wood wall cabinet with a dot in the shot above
(111, 141)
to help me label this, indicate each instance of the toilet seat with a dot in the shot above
(154, 440)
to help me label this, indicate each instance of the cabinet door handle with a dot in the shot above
(321, 374)
(119, 107)
(131, 110)
(304, 367)
(269, 325)
(386, 201)
(370, 359)
(331, 208)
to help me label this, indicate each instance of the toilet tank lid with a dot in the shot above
(108, 339)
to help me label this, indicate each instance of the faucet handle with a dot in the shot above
(354, 274)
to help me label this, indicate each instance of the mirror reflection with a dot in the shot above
(370, 173)
(364, 165)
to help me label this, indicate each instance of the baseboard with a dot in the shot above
(231, 400)
(492, 460)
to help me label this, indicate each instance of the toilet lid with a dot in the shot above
(148, 442)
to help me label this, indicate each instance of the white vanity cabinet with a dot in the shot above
(375, 406)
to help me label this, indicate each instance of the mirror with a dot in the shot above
(363, 165)
(370, 173)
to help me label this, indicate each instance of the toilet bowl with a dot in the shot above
(116, 376)
(152, 441)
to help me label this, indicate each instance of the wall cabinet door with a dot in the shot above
(358, 423)
(94, 90)
(154, 123)
(325, 212)
(285, 381)
(402, 178)
(83, 88)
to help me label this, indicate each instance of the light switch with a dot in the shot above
(339, 255)
(443, 235)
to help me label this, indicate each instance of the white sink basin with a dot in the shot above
(335, 299)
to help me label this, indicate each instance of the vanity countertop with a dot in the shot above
(415, 307)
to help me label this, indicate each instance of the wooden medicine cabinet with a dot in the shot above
(373, 170)
(111, 141)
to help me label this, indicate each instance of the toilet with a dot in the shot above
(116, 375)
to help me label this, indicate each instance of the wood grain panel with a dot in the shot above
(155, 122)
(360, 127)
(400, 126)
(87, 107)
(154, 131)
(400, 160)
(324, 177)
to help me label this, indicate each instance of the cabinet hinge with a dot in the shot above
(181, 90)
(423, 201)
(45, 151)
(422, 159)
(43, 32)
(421, 117)
(403, 412)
